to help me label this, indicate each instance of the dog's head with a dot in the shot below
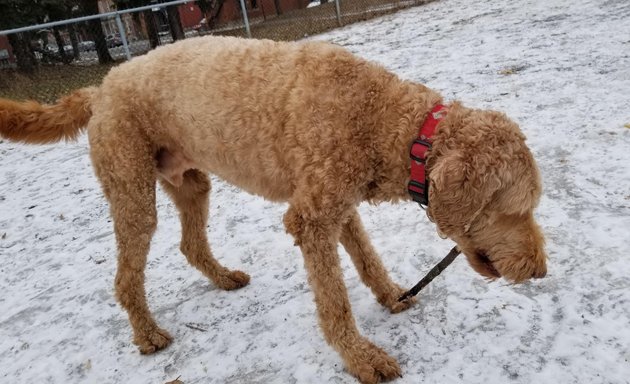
(484, 188)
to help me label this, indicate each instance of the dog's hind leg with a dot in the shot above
(125, 165)
(191, 198)
(367, 262)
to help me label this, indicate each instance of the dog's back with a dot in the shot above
(246, 110)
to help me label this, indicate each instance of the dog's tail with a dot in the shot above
(35, 123)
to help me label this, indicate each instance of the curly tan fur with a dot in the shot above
(306, 123)
(33, 123)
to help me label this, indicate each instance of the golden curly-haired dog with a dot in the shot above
(307, 123)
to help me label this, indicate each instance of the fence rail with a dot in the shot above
(45, 61)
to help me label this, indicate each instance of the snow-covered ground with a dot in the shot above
(561, 68)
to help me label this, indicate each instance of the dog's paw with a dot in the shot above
(370, 364)
(152, 341)
(232, 280)
(399, 306)
(390, 300)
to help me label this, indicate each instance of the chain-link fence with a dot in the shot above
(47, 60)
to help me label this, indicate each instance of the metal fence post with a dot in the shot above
(245, 19)
(123, 36)
(338, 11)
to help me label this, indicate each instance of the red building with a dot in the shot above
(191, 15)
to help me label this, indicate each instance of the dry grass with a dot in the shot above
(50, 82)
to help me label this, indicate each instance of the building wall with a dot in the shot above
(260, 8)
(109, 26)
(266, 8)
(191, 15)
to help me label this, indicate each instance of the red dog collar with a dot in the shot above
(418, 182)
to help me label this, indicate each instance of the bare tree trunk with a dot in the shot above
(26, 60)
(137, 26)
(99, 41)
(152, 32)
(60, 44)
(215, 14)
(276, 3)
(74, 39)
(175, 23)
(206, 7)
(96, 28)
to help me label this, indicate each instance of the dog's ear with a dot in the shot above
(460, 189)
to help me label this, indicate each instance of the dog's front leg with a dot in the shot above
(371, 270)
(318, 238)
